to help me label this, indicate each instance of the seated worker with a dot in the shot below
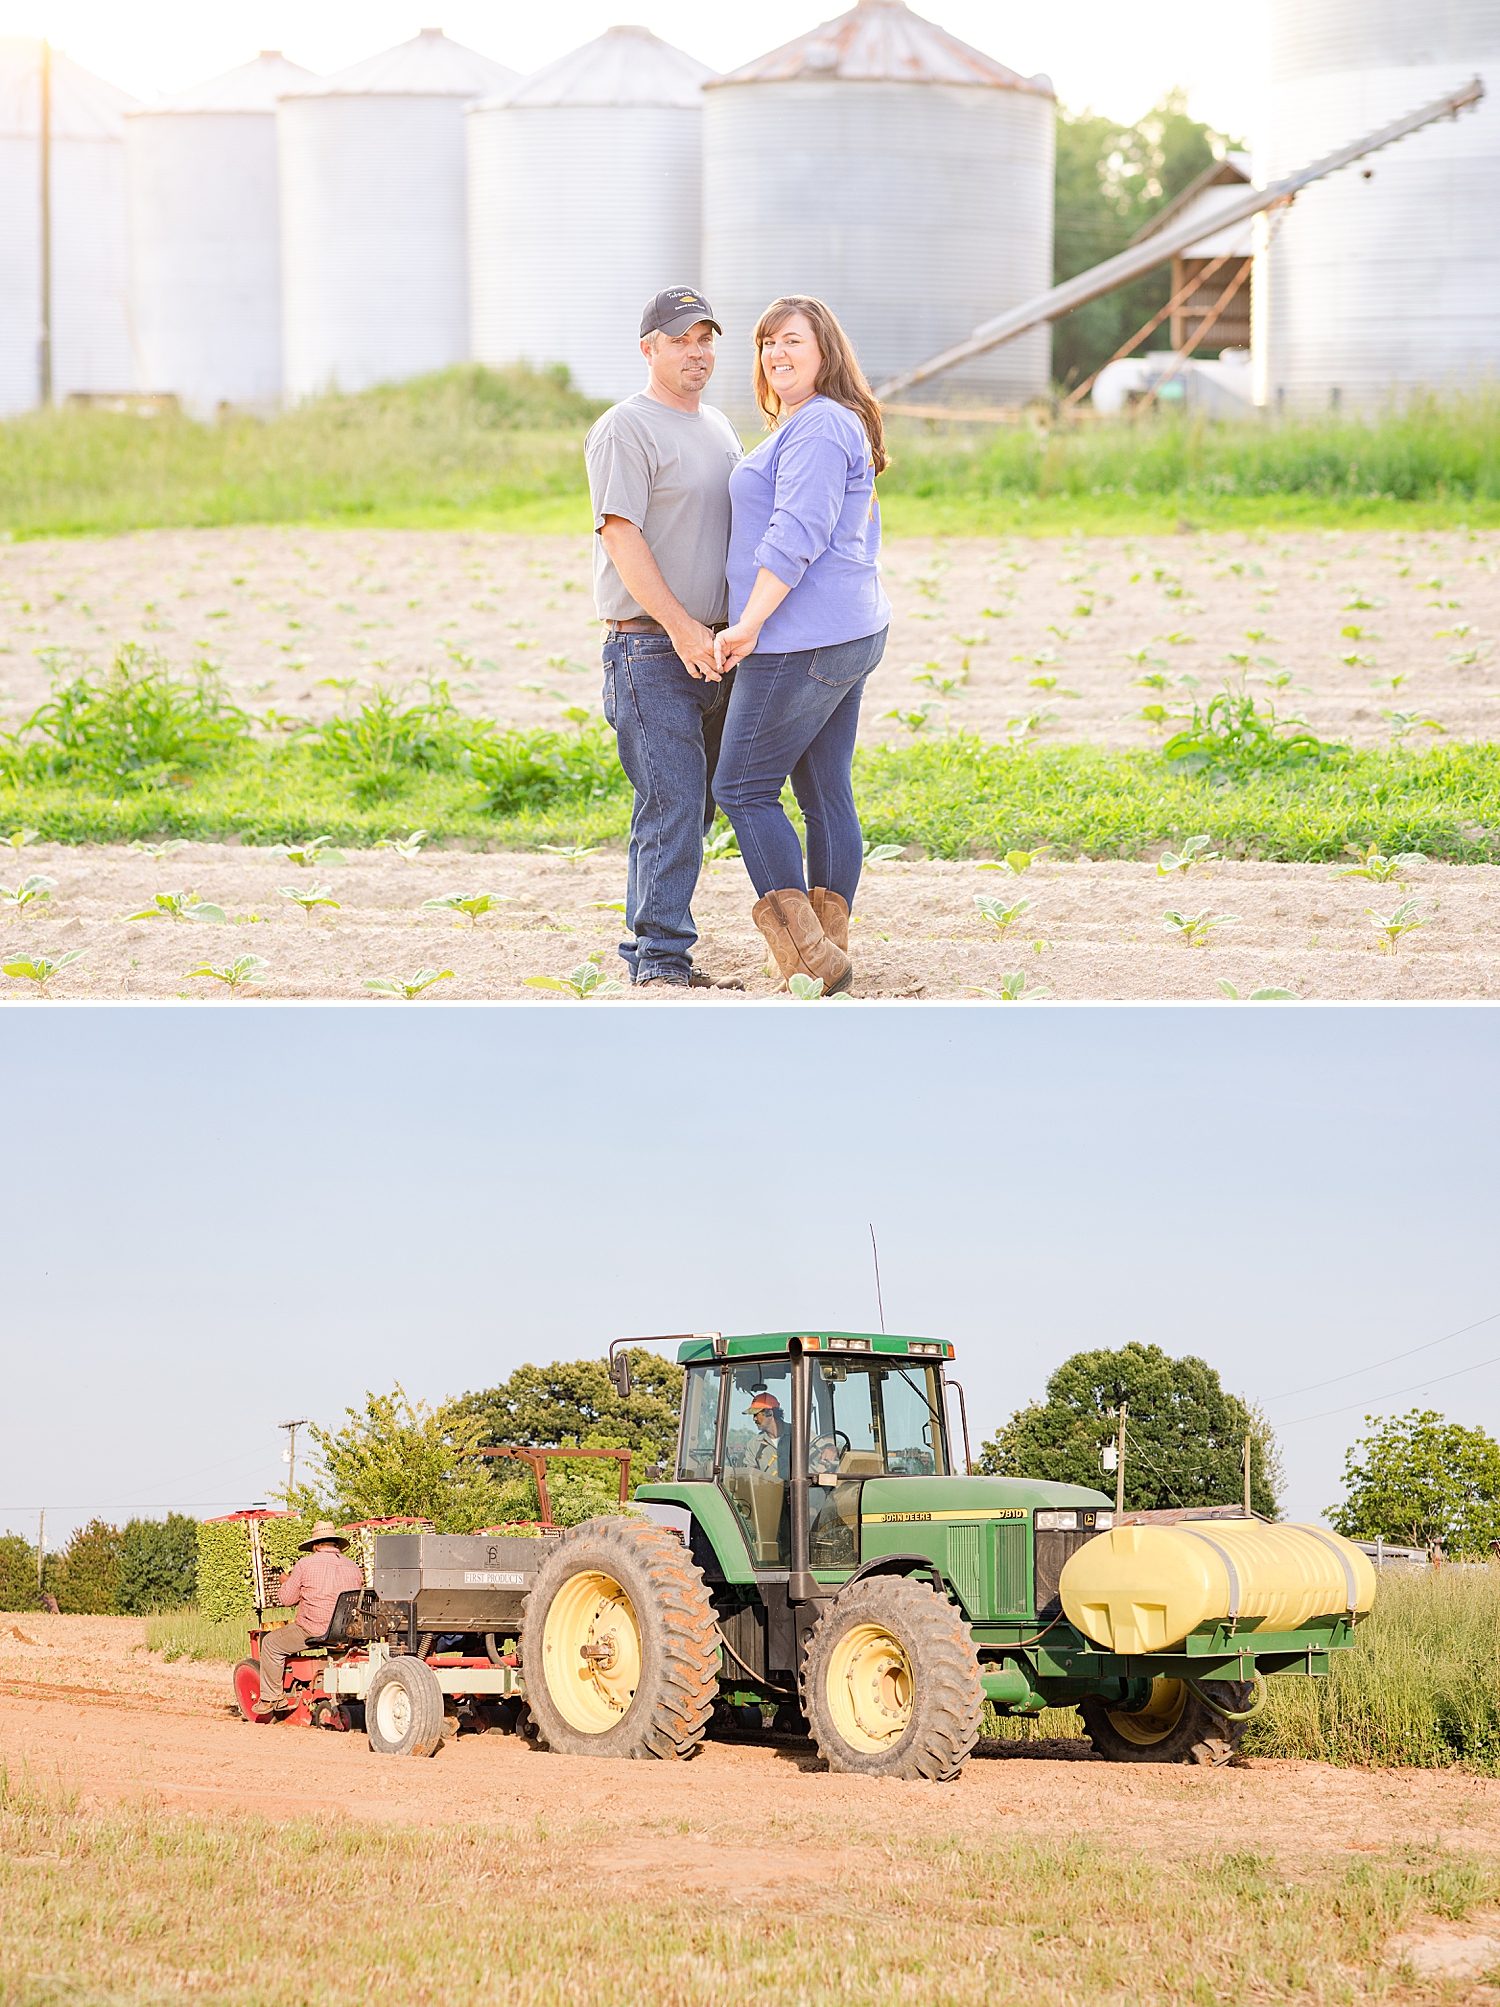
(773, 1453)
(314, 1585)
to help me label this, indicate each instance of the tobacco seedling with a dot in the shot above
(1015, 861)
(1403, 723)
(471, 904)
(1013, 989)
(1049, 683)
(1402, 921)
(241, 973)
(1256, 996)
(407, 986)
(1194, 851)
(883, 853)
(37, 969)
(36, 887)
(316, 895)
(931, 674)
(312, 852)
(914, 721)
(407, 848)
(1195, 928)
(157, 852)
(1377, 868)
(178, 906)
(19, 838)
(1029, 722)
(721, 843)
(998, 913)
(583, 982)
(573, 852)
(606, 905)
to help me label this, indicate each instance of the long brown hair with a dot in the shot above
(839, 374)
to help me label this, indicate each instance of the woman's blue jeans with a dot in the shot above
(794, 717)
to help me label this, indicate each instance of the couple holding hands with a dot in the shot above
(742, 599)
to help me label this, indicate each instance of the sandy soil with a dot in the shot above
(1091, 930)
(78, 1709)
(303, 620)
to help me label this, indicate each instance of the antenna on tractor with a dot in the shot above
(879, 1299)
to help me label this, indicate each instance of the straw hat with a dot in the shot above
(323, 1531)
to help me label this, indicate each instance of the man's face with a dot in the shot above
(681, 363)
(768, 1421)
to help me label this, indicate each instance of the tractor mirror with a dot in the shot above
(619, 1373)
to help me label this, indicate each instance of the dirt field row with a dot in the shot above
(1050, 637)
(1089, 932)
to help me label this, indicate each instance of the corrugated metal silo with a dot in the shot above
(584, 200)
(373, 215)
(895, 172)
(205, 237)
(91, 345)
(1374, 286)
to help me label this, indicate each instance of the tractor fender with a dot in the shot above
(897, 1564)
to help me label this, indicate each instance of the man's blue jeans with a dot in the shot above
(796, 716)
(668, 725)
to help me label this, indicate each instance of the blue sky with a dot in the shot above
(216, 1218)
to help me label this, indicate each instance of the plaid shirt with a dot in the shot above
(315, 1585)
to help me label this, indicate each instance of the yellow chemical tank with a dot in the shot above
(1145, 1588)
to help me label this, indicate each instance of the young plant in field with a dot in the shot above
(242, 973)
(807, 988)
(407, 986)
(1050, 683)
(407, 848)
(583, 982)
(606, 905)
(577, 714)
(1015, 861)
(1029, 722)
(313, 851)
(37, 969)
(314, 896)
(721, 841)
(1014, 988)
(998, 913)
(1256, 996)
(931, 673)
(471, 905)
(19, 838)
(179, 906)
(32, 890)
(1392, 926)
(883, 853)
(158, 852)
(1404, 723)
(575, 853)
(915, 720)
(1194, 851)
(1195, 928)
(1377, 868)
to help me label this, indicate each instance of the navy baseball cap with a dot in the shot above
(675, 311)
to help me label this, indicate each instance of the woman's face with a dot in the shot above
(791, 360)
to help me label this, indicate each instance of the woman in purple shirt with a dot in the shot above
(808, 624)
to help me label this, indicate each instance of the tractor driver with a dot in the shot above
(772, 1454)
(314, 1586)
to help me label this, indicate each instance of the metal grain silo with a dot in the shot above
(205, 237)
(561, 262)
(373, 215)
(1385, 277)
(895, 172)
(91, 345)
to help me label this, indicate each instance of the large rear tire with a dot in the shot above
(1174, 1725)
(404, 1709)
(891, 1683)
(619, 1644)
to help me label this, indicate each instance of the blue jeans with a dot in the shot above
(668, 725)
(795, 716)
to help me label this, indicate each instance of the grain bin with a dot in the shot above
(91, 345)
(895, 172)
(584, 201)
(373, 215)
(205, 237)
(1385, 278)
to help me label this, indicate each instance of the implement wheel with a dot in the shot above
(1173, 1725)
(246, 1677)
(404, 1709)
(891, 1684)
(619, 1644)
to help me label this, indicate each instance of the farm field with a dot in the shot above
(1089, 930)
(128, 1792)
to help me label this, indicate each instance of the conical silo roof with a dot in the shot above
(83, 106)
(428, 66)
(883, 41)
(623, 66)
(252, 87)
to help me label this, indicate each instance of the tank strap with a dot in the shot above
(1229, 1569)
(1350, 1585)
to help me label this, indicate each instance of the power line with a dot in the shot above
(1376, 1365)
(1380, 1400)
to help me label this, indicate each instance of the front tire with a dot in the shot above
(619, 1644)
(1174, 1725)
(404, 1709)
(891, 1683)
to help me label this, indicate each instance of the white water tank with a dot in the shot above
(1384, 278)
(205, 237)
(895, 172)
(374, 215)
(91, 344)
(585, 201)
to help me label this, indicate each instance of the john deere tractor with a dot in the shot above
(820, 1550)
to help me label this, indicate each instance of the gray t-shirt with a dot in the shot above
(666, 471)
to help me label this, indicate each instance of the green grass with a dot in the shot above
(188, 1634)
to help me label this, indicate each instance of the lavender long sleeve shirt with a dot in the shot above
(804, 508)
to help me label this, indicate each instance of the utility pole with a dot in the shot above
(41, 1534)
(1120, 1458)
(289, 1454)
(44, 385)
(1247, 1477)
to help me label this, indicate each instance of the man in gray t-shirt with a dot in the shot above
(659, 466)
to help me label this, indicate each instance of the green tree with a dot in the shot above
(399, 1458)
(88, 1570)
(574, 1402)
(1110, 180)
(18, 1588)
(158, 1564)
(1184, 1434)
(1420, 1480)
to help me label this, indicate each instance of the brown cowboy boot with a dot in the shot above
(833, 915)
(797, 941)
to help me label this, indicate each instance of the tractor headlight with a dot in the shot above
(1057, 1522)
(1103, 1521)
